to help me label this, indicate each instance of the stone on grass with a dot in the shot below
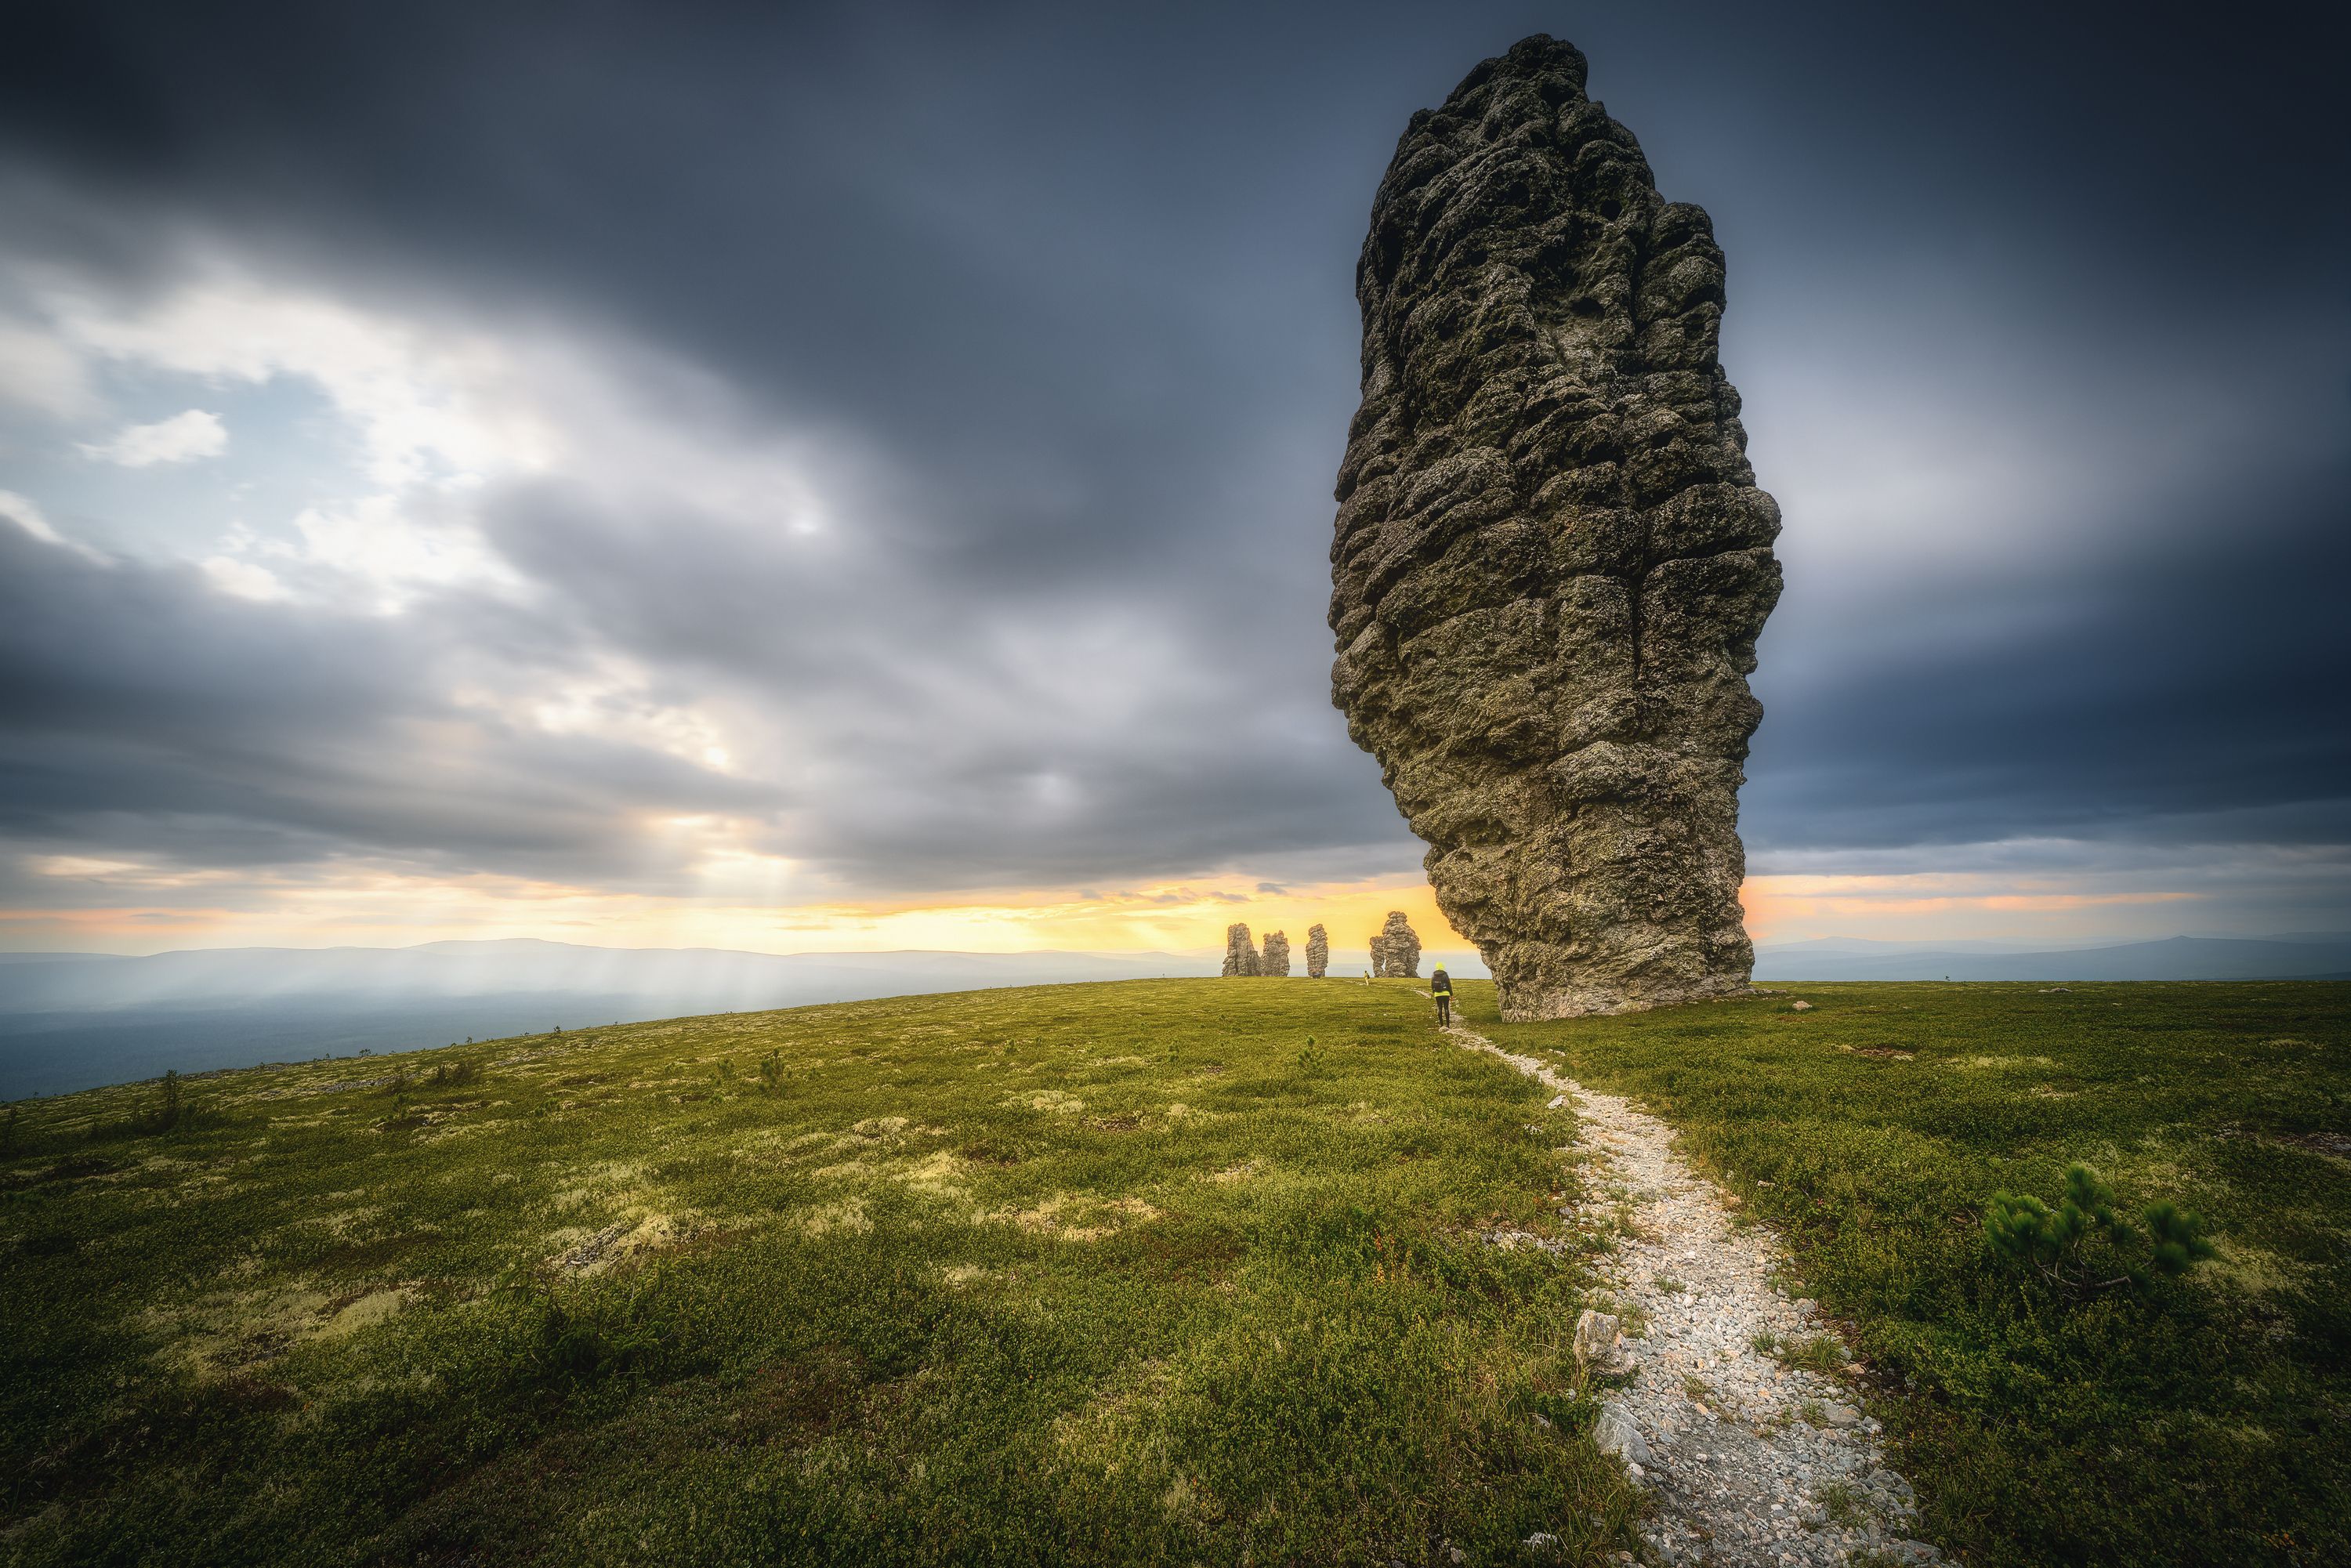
(1551, 559)
(1318, 952)
(1276, 962)
(1597, 1344)
(1614, 1433)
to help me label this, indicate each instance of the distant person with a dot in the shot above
(1440, 986)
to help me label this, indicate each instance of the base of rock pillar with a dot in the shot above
(1531, 1003)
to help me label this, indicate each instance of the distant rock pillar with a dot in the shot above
(1276, 964)
(1318, 952)
(1397, 946)
(1240, 952)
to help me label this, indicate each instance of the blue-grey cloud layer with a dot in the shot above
(1080, 279)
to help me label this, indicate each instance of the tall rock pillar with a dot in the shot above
(1399, 948)
(1551, 561)
(1276, 962)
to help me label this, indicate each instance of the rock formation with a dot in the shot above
(1276, 962)
(1395, 950)
(1240, 952)
(1318, 952)
(1551, 561)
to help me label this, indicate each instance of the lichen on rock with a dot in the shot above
(1551, 561)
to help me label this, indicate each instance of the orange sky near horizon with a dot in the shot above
(368, 909)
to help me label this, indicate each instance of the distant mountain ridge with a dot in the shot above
(77, 1020)
(74, 1021)
(725, 979)
(2316, 955)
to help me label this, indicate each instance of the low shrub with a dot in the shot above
(2084, 1245)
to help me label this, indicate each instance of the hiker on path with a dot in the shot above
(1440, 986)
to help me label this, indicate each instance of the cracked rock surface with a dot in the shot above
(1750, 1460)
(1551, 561)
(1318, 952)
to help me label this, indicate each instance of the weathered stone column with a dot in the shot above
(1240, 952)
(1318, 952)
(1276, 962)
(1551, 561)
(1400, 947)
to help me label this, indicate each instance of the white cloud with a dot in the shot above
(399, 556)
(178, 439)
(243, 579)
(40, 371)
(430, 402)
(20, 510)
(446, 410)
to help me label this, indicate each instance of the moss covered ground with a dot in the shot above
(1156, 1271)
(1164, 1271)
(2198, 1421)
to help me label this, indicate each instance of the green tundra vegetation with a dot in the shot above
(2200, 1419)
(1165, 1272)
(1181, 1272)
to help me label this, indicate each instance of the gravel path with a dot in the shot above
(1749, 1460)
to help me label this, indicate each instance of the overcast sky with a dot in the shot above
(790, 477)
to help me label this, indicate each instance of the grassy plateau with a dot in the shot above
(1161, 1271)
(2199, 1420)
(1181, 1272)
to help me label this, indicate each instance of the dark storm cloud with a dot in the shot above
(2187, 689)
(959, 749)
(1080, 280)
(147, 714)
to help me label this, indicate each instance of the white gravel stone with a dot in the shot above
(1713, 1428)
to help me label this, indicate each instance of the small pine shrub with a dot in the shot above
(455, 1074)
(2084, 1245)
(568, 1340)
(771, 1072)
(169, 1112)
(570, 1350)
